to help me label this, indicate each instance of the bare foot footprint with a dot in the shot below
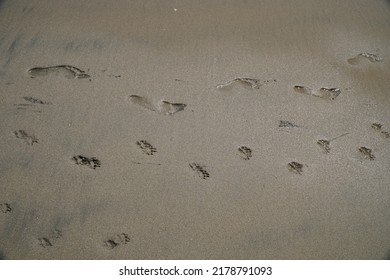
(163, 107)
(119, 239)
(287, 124)
(168, 108)
(146, 147)
(295, 167)
(142, 102)
(251, 82)
(245, 152)
(92, 162)
(366, 153)
(374, 58)
(67, 71)
(28, 139)
(200, 170)
(324, 93)
(5, 208)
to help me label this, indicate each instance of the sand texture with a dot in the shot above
(194, 129)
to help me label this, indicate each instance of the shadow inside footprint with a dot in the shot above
(366, 153)
(249, 82)
(92, 162)
(163, 107)
(374, 58)
(169, 108)
(142, 102)
(67, 71)
(324, 93)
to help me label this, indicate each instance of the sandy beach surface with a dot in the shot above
(194, 129)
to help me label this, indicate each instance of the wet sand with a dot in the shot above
(194, 129)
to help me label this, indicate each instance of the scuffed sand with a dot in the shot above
(190, 170)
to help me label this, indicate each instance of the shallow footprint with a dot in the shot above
(69, 72)
(364, 56)
(28, 139)
(163, 107)
(324, 93)
(325, 144)
(245, 152)
(92, 162)
(295, 167)
(200, 170)
(287, 124)
(251, 82)
(51, 239)
(146, 147)
(5, 208)
(168, 108)
(119, 239)
(366, 153)
(142, 102)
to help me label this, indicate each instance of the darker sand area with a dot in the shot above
(194, 129)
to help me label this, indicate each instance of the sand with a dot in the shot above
(118, 143)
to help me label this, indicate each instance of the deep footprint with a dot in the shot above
(119, 239)
(23, 135)
(92, 162)
(374, 58)
(245, 152)
(146, 147)
(200, 170)
(69, 72)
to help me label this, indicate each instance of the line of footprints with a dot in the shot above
(169, 108)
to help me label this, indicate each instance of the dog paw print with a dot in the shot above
(366, 153)
(379, 128)
(5, 208)
(50, 240)
(117, 240)
(245, 152)
(146, 147)
(27, 138)
(200, 170)
(91, 162)
(295, 167)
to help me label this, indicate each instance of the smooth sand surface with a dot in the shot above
(126, 149)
